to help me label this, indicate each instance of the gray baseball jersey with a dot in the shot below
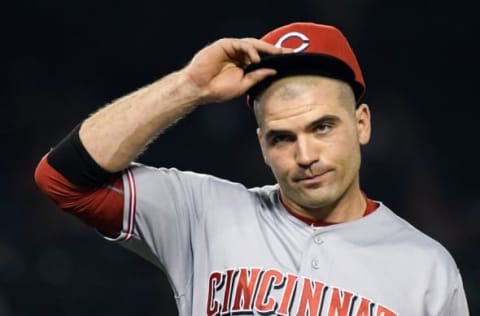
(231, 250)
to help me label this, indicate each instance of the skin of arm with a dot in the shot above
(117, 133)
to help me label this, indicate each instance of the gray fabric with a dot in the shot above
(208, 233)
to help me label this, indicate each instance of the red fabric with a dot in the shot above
(319, 39)
(370, 208)
(100, 208)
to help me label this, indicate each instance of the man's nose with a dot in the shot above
(306, 154)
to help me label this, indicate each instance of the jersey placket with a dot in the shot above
(314, 262)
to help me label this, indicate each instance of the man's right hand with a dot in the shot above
(217, 70)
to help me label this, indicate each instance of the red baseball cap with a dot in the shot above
(318, 50)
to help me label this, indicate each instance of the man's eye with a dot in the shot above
(280, 139)
(323, 128)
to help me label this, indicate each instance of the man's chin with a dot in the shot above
(315, 201)
(311, 197)
(314, 205)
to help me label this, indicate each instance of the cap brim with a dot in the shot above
(303, 64)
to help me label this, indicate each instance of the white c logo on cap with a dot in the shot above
(305, 41)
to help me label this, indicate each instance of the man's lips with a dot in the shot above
(310, 178)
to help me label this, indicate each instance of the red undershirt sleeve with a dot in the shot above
(100, 208)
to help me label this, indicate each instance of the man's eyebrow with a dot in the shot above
(328, 118)
(275, 132)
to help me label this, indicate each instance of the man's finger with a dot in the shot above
(252, 78)
(265, 47)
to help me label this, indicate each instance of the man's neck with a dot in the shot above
(348, 207)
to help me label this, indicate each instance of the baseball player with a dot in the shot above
(312, 244)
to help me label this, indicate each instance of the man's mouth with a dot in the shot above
(311, 179)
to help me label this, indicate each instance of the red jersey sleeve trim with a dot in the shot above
(100, 208)
(132, 204)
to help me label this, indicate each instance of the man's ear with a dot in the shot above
(362, 114)
(263, 145)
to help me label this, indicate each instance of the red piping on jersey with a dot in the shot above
(370, 208)
(132, 205)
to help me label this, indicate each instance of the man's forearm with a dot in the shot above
(116, 134)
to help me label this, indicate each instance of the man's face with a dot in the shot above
(310, 134)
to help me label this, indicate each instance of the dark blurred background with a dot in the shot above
(61, 60)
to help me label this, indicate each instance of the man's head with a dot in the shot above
(311, 122)
(310, 131)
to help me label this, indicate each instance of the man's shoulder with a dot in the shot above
(204, 180)
(418, 242)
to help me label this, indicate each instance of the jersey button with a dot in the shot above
(315, 263)
(318, 239)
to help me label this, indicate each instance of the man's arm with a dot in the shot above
(78, 173)
(119, 132)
